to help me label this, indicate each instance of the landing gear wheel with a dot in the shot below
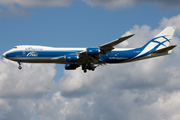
(20, 67)
(83, 66)
(85, 70)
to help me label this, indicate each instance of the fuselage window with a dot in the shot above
(14, 47)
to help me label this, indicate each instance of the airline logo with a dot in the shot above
(32, 54)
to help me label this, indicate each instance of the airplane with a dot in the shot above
(91, 57)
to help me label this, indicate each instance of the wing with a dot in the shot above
(103, 49)
(110, 46)
(85, 58)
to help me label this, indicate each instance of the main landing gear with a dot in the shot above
(20, 67)
(86, 67)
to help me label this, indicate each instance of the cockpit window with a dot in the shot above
(14, 47)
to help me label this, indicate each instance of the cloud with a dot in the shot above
(173, 21)
(52, 107)
(110, 4)
(20, 88)
(21, 109)
(31, 82)
(147, 89)
(114, 4)
(142, 34)
(33, 3)
(12, 11)
(18, 8)
(165, 3)
(4, 107)
(112, 104)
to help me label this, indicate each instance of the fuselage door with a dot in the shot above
(23, 53)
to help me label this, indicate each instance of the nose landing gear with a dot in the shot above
(20, 67)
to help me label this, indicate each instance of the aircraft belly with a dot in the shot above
(42, 60)
(36, 60)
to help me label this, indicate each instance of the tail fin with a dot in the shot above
(162, 40)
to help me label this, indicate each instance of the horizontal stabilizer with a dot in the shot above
(166, 49)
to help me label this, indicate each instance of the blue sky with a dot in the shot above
(76, 24)
(126, 91)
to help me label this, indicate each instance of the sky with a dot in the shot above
(147, 89)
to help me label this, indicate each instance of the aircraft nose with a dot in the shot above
(4, 55)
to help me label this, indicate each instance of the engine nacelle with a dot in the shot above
(71, 66)
(92, 51)
(71, 58)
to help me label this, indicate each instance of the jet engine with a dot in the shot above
(71, 66)
(71, 58)
(92, 51)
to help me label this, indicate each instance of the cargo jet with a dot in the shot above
(92, 57)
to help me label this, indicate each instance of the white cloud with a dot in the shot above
(32, 3)
(21, 109)
(110, 4)
(18, 5)
(114, 4)
(164, 3)
(52, 107)
(19, 89)
(173, 21)
(30, 82)
(142, 35)
(4, 106)
(113, 104)
(13, 11)
(16, 8)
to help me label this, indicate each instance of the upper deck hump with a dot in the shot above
(38, 47)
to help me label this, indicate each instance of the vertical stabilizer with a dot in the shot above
(160, 41)
(165, 36)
